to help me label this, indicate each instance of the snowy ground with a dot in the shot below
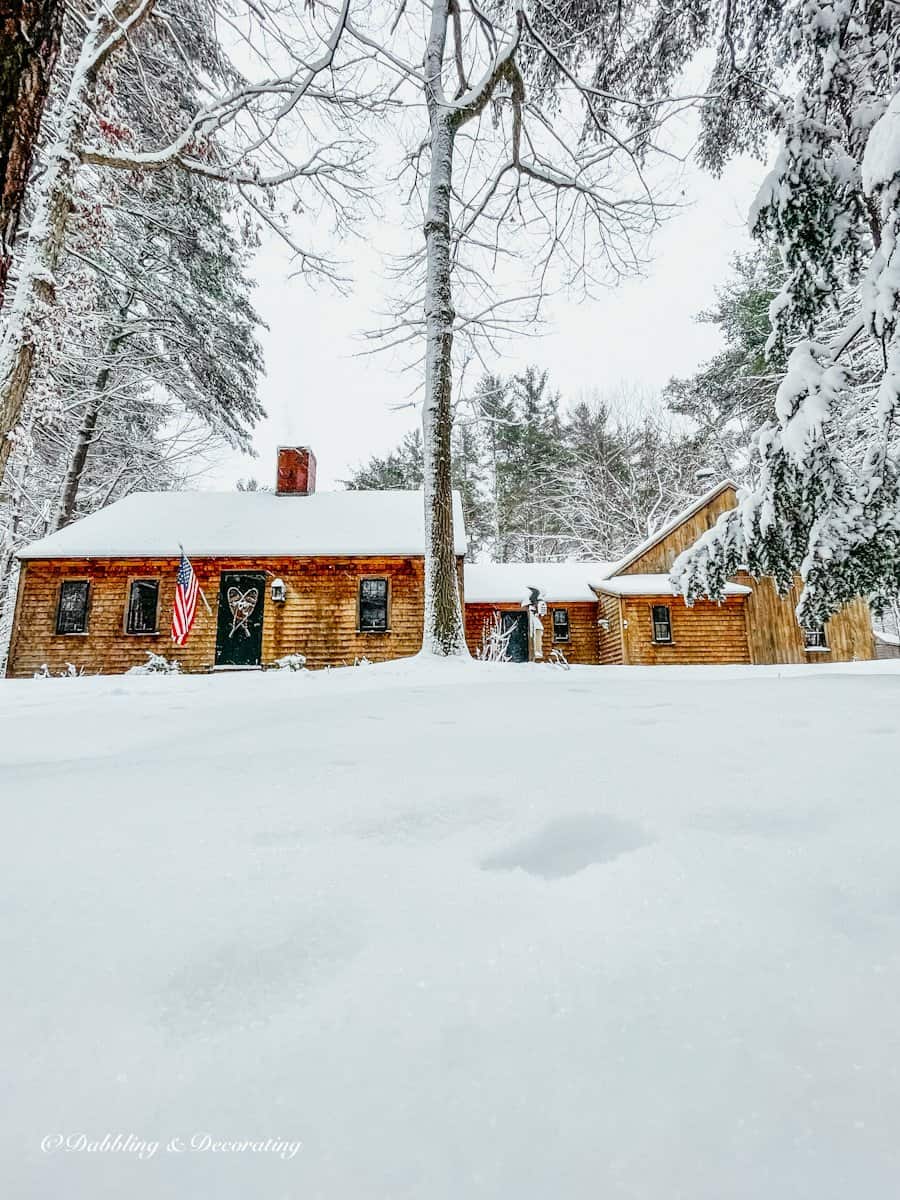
(490, 931)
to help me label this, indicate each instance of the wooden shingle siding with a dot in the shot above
(773, 633)
(658, 559)
(704, 633)
(318, 618)
(582, 646)
(612, 651)
(776, 637)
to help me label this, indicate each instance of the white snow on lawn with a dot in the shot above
(462, 931)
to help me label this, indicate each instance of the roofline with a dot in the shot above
(23, 556)
(23, 553)
(671, 526)
(599, 587)
(670, 595)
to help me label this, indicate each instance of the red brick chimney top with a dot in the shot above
(296, 471)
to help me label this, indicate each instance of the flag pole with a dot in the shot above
(199, 588)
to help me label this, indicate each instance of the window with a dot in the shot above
(72, 613)
(814, 638)
(143, 601)
(373, 605)
(560, 624)
(662, 623)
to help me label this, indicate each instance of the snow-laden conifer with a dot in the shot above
(824, 501)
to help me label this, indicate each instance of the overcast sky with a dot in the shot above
(319, 392)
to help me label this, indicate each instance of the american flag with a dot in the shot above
(186, 589)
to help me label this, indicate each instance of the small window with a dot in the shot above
(814, 638)
(373, 605)
(662, 623)
(143, 601)
(71, 616)
(560, 624)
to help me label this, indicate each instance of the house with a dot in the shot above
(339, 576)
(496, 592)
(627, 613)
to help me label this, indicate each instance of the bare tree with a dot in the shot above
(539, 119)
(613, 497)
(29, 45)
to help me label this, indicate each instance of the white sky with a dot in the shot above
(319, 392)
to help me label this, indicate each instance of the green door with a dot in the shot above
(516, 625)
(239, 629)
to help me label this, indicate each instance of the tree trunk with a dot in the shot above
(66, 512)
(35, 290)
(72, 481)
(29, 45)
(444, 634)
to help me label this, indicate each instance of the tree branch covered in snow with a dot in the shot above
(276, 119)
(822, 505)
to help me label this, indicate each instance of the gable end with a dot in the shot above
(657, 555)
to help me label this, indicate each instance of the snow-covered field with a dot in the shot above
(458, 931)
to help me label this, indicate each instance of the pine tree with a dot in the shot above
(824, 504)
(733, 393)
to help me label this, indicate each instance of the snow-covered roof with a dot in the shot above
(679, 519)
(655, 585)
(154, 524)
(497, 583)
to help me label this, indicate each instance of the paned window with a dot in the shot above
(373, 605)
(662, 623)
(72, 612)
(560, 624)
(143, 602)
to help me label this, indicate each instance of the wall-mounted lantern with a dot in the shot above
(279, 591)
(604, 624)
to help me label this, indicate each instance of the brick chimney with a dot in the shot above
(296, 471)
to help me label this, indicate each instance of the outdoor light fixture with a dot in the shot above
(604, 624)
(279, 591)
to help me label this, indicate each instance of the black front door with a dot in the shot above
(516, 624)
(239, 631)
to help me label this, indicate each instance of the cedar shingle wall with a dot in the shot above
(776, 637)
(773, 633)
(658, 559)
(580, 648)
(611, 649)
(318, 619)
(705, 633)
